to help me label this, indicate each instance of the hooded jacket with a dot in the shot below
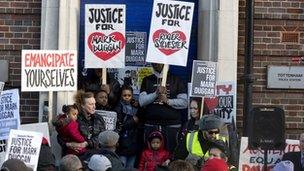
(150, 158)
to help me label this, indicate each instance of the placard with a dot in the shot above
(203, 78)
(109, 117)
(25, 146)
(170, 32)
(136, 46)
(254, 159)
(105, 35)
(224, 102)
(42, 127)
(9, 112)
(49, 70)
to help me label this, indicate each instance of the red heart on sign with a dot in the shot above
(169, 43)
(211, 103)
(105, 47)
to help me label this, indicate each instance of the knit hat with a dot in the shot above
(215, 164)
(108, 138)
(209, 122)
(284, 166)
(99, 163)
(15, 165)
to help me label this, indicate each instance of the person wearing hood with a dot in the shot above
(160, 105)
(155, 154)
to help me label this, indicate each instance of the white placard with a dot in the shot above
(9, 112)
(24, 145)
(49, 70)
(170, 32)
(254, 159)
(38, 127)
(105, 35)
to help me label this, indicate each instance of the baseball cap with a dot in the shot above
(99, 162)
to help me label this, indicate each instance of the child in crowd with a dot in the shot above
(101, 98)
(127, 126)
(67, 128)
(155, 154)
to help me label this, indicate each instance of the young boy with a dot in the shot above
(155, 154)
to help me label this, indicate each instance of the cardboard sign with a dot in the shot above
(38, 127)
(203, 78)
(170, 32)
(109, 117)
(49, 70)
(136, 46)
(25, 146)
(105, 36)
(224, 102)
(9, 112)
(254, 159)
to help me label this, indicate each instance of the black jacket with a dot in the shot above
(295, 158)
(117, 164)
(90, 129)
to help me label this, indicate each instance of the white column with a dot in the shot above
(68, 39)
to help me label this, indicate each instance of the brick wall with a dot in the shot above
(273, 21)
(20, 29)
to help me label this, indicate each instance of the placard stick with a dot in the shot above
(50, 114)
(104, 76)
(164, 75)
(202, 108)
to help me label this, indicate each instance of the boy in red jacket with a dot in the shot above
(155, 154)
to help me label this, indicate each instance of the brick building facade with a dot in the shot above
(20, 29)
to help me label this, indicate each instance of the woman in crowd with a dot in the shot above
(195, 114)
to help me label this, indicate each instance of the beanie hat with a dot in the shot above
(15, 165)
(108, 138)
(284, 166)
(99, 163)
(215, 164)
(209, 122)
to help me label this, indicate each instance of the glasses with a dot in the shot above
(214, 132)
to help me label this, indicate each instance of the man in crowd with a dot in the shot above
(297, 158)
(70, 162)
(161, 104)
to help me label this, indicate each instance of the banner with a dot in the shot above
(25, 146)
(105, 36)
(203, 78)
(9, 112)
(49, 70)
(254, 159)
(224, 102)
(170, 32)
(109, 117)
(136, 46)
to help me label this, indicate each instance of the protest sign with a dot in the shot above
(2, 151)
(1, 86)
(254, 159)
(25, 146)
(136, 45)
(203, 78)
(49, 70)
(38, 127)
(224, 102)
(170, 32)
(109, 117)
(9, 112)
(105, 36)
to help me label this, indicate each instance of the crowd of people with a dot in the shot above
(149, 133)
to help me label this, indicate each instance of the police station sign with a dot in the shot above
(285, 77)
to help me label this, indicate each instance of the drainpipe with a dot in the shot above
(248, 67)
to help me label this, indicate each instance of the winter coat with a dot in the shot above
(127, 128)
(150, 158)
(69, 132)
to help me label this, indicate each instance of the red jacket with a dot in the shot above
(150, 158)
(69, 132)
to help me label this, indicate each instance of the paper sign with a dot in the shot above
(25, 146)
(203, 78)
(9, 112)
(254, 159)
(105, 36)
(170, 32)
(136, 46)
(49, 70)
(109, 117)
(38, 127)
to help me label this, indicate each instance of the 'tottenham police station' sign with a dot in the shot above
(285, 77)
